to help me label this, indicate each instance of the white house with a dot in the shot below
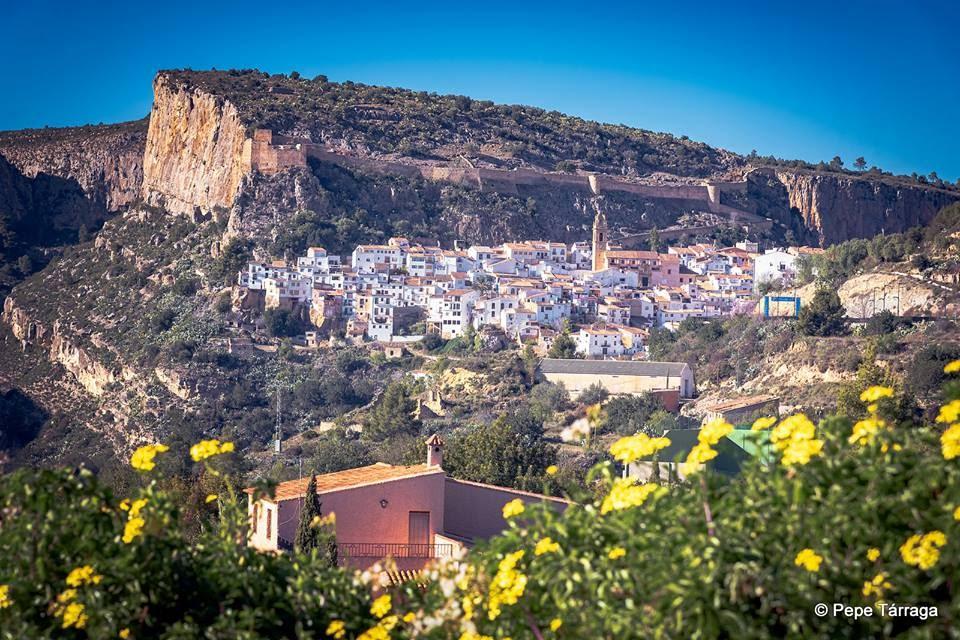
(596, 342)
(775, 265)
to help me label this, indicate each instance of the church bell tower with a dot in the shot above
(601, 239)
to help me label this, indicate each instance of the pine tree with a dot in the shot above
(824, 316)
(393, 415)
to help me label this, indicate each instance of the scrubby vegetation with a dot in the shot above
(427, 125)
(933, 246)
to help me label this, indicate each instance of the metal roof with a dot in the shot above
(612, 367)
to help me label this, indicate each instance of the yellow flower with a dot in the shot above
(625, 494)
(950, 442)
(74, 616)
(389, 622)
(872, 394)
(923, 550)
(83, 575)
(950, 412)
(68, 595)
(210, 498)
(209, 448)
(134, 507)
(801, 451)
(956, 513)
(872, 554)
(761, 424)
(795, 438)
(381, 606)
(124, 633)
(797, 426)
(409, 617)
(5, 600)
(336, 629)
(374, 633)
(865, 430)
(507, 585)
(713, 432)
(513, 508)
(877, 586)
(555, 624)
(142, 458)
(552, 470)
(952, 367)
(546, 545)
(473, 635)
(700, 454)
(616, 552)
(809, 560)
(133, 529)
(631, 448)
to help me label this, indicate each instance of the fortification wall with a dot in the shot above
(270, 154)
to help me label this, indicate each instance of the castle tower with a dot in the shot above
(435, 451)
(601, 240)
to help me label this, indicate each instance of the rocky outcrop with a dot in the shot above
(92, 375)
(105, 161)
(839, 207)
(193, 162)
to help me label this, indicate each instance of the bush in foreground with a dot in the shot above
(857, 513)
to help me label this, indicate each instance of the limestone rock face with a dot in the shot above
(194, 159)
(105, 161)
(839, 208)
(92, 375)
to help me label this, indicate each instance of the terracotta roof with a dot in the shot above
(361, 476)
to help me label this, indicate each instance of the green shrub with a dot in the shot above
(747, 557)
(851, 513)
(156, 583)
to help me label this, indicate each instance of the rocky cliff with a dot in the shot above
(39, 211)
(105, 161)
(839, 208)
(62, 348)
(193, 160)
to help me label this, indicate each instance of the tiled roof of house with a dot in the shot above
(361, 476)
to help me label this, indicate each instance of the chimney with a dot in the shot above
(435, 451)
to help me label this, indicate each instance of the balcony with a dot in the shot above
(379, 550)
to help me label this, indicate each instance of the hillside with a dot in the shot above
(132, 334)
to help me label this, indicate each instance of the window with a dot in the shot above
(256, 516)
(269, 523)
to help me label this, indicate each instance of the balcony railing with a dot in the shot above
(393, 549)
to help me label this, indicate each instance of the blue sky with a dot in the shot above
(798, 80)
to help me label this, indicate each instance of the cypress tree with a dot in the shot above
(308, 537)
(311, 536)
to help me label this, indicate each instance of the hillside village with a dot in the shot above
(531, 291)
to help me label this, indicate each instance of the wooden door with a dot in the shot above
(419, 530)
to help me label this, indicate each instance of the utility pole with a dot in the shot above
(277, 446)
